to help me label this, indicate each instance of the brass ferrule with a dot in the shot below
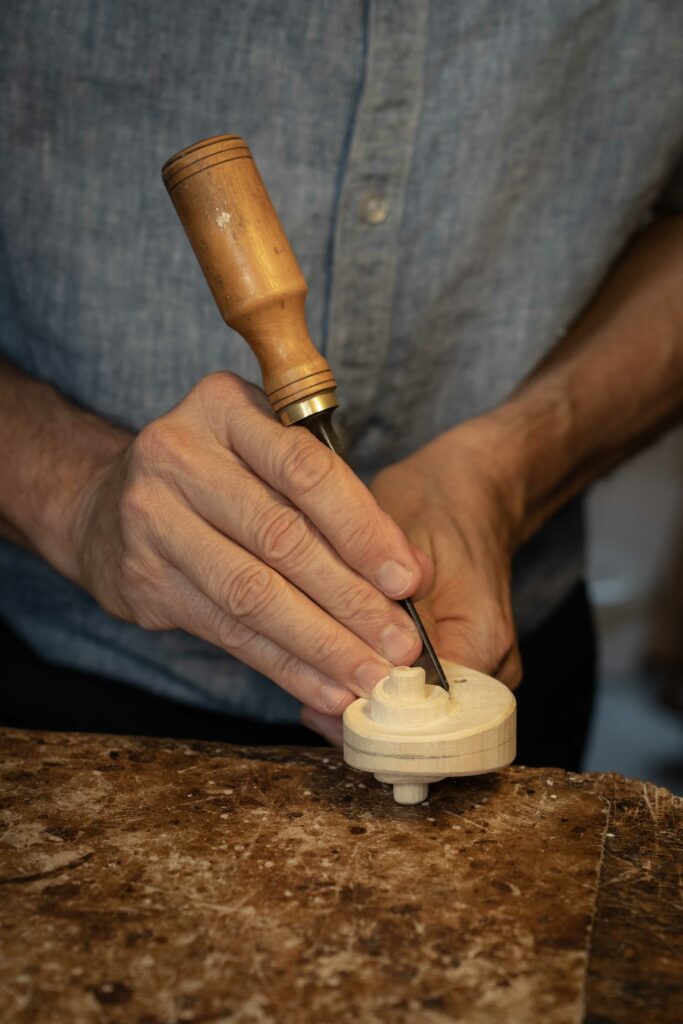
(305, 407)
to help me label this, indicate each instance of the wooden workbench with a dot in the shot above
(150, 881)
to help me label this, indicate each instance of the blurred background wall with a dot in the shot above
(635, 519)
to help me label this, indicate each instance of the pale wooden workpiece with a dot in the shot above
(410, 733)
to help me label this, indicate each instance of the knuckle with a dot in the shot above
(361, 534)
(305, 463)
(250, 591)
(359, 603)
(134, 510)
(231, 635)
(163, 449)
(217, 386)
(156, 442)
(136, 572)
(285, 667)
(130, 569)
(280, 532)
(224, 400)
(222, 391)
(325, 650)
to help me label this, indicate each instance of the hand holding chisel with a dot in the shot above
(259, 288)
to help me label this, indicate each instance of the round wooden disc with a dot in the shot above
(475, 735)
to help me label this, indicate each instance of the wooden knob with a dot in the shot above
(410, 734)
(251, 270)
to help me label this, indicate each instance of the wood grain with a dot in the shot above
(636, 973)
(155, 881)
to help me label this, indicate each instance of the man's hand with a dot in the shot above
(217, 520)
(449, 505)
(452, 506)
(470, 497)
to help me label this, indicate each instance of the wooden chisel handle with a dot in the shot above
(257, 283)
(252, 272)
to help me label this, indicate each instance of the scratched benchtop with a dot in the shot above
(158, 881)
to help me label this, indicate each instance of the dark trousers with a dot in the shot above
(554, 700)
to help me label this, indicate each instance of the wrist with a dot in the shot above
(71, 496)
(54, 451)
(526, 441)
(478, 461)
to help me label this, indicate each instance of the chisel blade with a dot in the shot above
(321, 426)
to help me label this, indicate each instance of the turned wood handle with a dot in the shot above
(252, 272)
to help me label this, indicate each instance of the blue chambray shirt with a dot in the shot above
(455, 178)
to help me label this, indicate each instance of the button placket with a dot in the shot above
(365, 250)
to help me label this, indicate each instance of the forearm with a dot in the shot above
(50, 450)
(611, 385)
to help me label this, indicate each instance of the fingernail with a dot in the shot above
(393, 578)
(370, 673)
(332, 695)
(398, 643)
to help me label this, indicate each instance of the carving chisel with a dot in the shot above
(259, 288)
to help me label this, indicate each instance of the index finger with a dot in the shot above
(326, 490)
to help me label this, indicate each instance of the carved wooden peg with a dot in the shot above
(410, 733)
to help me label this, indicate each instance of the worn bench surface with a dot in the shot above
(149, 882)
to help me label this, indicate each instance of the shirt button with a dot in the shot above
(374, 209)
